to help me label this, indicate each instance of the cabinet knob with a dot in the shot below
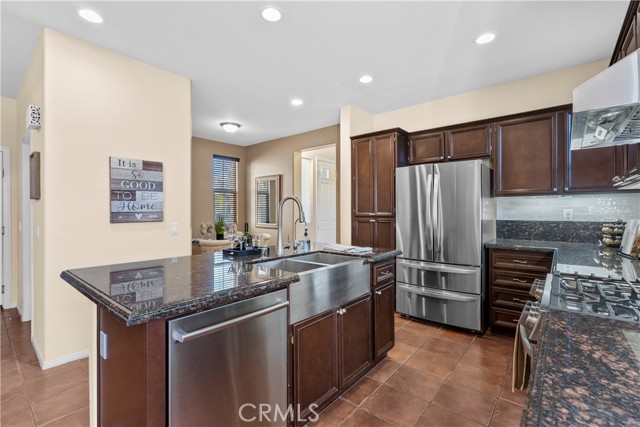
(566, 188)
(378, 292)
(449, 157)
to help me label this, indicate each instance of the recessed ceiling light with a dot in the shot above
(485, 38)
(297, 102)
(230, 127)
(90, 15)
(271, 14)
(366, 79)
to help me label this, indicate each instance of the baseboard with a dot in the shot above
(59, 361)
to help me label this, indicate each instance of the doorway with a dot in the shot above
(5, 227)
(315, 184)
(25, 303)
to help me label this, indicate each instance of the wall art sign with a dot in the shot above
(136, 190)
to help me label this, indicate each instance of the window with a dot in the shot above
(225, 189)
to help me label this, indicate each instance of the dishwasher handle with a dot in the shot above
(181, 336)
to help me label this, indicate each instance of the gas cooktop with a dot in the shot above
(613, 298)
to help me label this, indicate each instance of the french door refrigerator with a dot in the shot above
(444, 215)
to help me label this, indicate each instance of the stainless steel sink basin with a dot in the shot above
(291, 265)
(323, 258)
(327, 282)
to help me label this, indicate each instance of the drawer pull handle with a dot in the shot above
(519, 280)
(520, 300)
(515, 320)
(519, 261)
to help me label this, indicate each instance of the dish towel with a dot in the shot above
(356, 250)
(521, 365)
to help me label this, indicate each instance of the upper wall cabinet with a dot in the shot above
(628, 39)
(456, 143)
(526, 161)
(374, 158)
(470, 142)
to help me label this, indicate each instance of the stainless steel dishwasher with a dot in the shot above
(226, 362)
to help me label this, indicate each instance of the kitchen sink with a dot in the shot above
(329, 259)
(291, 265)
(327, 281)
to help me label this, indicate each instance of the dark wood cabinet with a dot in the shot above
(374, 158)
(331, 351)
(356, 341)
(471, 142)
(315, 362)
(426, 147)
(374, 232)
(526, 160)
(384, 304)
(628, 39)
(511, 274)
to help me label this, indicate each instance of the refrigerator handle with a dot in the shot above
(435, 206)
(428, 221)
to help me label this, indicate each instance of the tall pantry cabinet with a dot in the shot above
(374, 158)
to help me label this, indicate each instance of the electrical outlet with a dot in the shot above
(174, 228)
(567, 214)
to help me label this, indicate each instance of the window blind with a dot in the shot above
(266, 211)
(225, 189)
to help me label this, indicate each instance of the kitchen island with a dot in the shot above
(137, 301)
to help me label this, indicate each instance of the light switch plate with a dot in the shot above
(174, 228)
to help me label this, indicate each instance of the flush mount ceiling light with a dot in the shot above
(366, 79)
(485, 38)
(230, 127)
(271, 14)
(90, 15)
(297, 102)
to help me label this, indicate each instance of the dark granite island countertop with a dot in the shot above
(138, 292)
(586, 371)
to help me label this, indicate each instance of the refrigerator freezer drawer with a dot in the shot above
(447, 277)
(449, 308)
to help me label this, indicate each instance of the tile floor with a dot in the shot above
(30, 396)
(433, 377)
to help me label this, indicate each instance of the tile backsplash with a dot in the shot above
(590, 207)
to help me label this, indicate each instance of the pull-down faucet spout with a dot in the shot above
(280, 248)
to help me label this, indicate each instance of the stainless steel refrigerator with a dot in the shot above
(444, 214)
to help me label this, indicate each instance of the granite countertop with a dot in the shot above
(586, 371)
(138, 292)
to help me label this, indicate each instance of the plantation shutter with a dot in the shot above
(266, 213)
(225, 189)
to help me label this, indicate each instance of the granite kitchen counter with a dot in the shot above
(586, 371)
(138, 292)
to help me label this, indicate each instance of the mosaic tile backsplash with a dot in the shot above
(586, 208)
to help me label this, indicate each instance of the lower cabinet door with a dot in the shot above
(363, 232)
(315, 359)
(356, 341)
(384, 304)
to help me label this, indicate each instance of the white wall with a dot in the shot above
(589, 207)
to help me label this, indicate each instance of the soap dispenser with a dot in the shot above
(307, 242)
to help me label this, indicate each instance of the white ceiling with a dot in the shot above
(247, 70)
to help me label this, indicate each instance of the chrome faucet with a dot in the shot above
(280, 247)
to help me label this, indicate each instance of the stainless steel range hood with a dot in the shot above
(606, 109)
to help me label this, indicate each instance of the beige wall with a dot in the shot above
(276, 157)
(32, 92)
(9, 139)
(546, 90)
(202, 151)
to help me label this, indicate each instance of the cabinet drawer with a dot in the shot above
(384, 273)
(514, 279)
(504, 318)
(509, 298)
(521, 260)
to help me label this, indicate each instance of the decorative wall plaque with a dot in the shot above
(136, 190)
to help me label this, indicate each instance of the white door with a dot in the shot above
(326, 201)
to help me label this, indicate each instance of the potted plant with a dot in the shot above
(219, 229)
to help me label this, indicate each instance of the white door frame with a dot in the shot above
(26, 231)
(6, 227)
